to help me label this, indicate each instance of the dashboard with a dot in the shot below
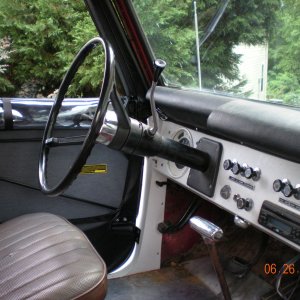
(258, 186)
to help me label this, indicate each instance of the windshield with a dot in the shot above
(246, 48)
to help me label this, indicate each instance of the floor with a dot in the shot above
(190, 280)
(189, 275)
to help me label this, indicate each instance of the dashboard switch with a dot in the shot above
(287, 190)
(225, 192)
(243, 203)
(278, 185)
(252, 173)
(297, 192)
(236, 168)
(227, 164)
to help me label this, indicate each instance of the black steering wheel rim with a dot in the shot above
(89, 141)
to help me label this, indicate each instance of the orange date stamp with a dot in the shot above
(286, 269)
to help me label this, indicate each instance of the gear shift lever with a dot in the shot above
(159, 66)
(210, 234)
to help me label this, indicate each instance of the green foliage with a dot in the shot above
(168, 28)
(4, 56)
(284, 54)
(169, 25)
(284, 86)
(45, 36)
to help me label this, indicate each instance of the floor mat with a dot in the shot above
(191, 280)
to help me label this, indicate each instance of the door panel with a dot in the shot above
(89, 195)
(18, 200)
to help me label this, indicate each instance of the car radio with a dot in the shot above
(281, 221)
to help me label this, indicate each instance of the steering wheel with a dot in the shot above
(111, 126)
(89, 140)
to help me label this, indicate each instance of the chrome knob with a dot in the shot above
(206, 228)
(227, 164)
(159, 66)
(277, 185)
(240, 222)
(288, 190)
(236, 168)
(252, 173)
(242, 203)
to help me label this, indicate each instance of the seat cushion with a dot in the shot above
(43, 256)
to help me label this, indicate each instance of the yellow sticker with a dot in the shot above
(94, 169)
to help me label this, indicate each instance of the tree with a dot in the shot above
(4, 56)
(284, 53)
(170, 27)
(45, 36)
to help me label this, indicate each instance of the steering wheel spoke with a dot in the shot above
(64, 141)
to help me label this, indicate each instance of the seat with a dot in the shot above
(43, 256)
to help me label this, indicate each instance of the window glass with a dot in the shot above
(245, 48)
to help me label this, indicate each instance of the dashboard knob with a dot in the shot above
(236, 168)
(278, 185)
(297, 192)
(225, 192)
(249, 172)
(242, 203)
(227, 164)
(287, 190)
(252, 173)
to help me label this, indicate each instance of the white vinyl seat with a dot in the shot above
(43, 256)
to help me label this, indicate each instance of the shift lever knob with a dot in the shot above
(210, 234)
(206, 228)
(159, 66)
